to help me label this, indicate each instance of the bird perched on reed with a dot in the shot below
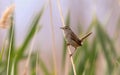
(72, 39)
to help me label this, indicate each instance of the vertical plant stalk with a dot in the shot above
(3, 49)
(53, 40)
(73, 65)
(63, 23)
(37, 64)
(13, 66)
(5, 22)
(29, 55)
(9, 52)
(67, 65)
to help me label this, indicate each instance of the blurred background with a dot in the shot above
(99, 54)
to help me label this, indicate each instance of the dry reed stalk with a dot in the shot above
(63, 23)
(53, 40)
(67, 65)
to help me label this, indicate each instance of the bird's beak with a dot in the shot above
(61, 27)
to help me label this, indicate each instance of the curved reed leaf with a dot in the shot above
(92, 58)
(28, 39)
(33, 64)
(106, 52)
(31, 33)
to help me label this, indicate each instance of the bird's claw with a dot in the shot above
(70, 55)
(68, 44)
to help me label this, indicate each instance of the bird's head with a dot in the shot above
(65, 28)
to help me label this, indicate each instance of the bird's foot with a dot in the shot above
(71, 54)
(68, 44)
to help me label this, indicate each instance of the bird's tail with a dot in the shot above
(84, 37)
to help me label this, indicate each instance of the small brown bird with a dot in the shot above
(72, 39)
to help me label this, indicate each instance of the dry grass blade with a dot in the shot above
(53, 39)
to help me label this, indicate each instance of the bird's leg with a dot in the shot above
(68, 44)
(71, 54)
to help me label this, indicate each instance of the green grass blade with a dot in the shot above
(31, 33)
(12, 37)
(2, 51)
(33, 64)
(111, 45)
(10, 50)
(3, 65)
(82, 63)
(106, 52)
(92, 58)
(13, 67)
(108, 41)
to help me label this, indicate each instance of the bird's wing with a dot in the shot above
(75, 38)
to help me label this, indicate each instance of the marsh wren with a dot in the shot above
(72, 39)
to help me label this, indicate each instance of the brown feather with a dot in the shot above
(75, 38)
